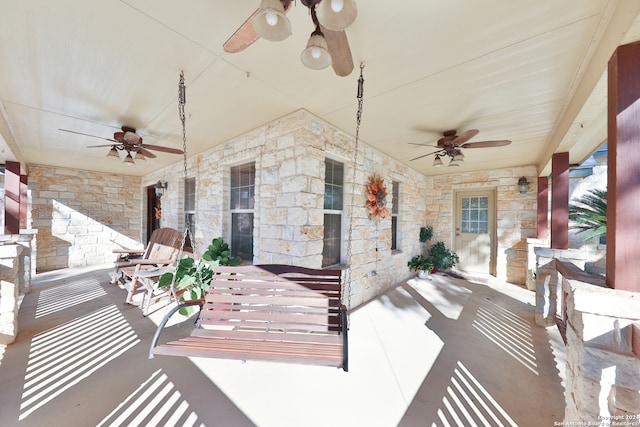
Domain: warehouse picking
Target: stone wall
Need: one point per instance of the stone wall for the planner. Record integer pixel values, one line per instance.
(516, 213)
(603, 367)
(288, 215)
(81, 216)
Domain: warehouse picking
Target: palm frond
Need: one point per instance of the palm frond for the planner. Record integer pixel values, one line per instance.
(589, 214)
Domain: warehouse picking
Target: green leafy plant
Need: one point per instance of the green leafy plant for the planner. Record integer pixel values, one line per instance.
(443, 258)
(420, 262)
(426, 233)
(192, 277)
(589, 214)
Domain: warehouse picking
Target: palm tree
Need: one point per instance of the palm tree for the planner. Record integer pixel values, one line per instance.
(589, 214)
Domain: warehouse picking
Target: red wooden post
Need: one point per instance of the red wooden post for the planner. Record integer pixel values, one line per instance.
(560, 201)
(12, 198)
(623, 198)
(543, 207)
(24, 200)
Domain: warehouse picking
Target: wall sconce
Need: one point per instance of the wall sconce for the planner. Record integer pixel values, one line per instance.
(523, 185)
(160, 187)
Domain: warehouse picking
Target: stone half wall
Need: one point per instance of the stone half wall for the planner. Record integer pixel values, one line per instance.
(603, 354)
(81, 216)
(516, 214)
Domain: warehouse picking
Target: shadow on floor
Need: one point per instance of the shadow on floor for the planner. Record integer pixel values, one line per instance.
(427, 352)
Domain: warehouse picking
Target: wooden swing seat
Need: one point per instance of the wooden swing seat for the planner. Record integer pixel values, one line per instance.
(277, 313)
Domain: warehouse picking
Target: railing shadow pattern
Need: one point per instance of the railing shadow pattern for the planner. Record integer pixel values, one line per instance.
(156, 402)
(467, 403)
(69, 353)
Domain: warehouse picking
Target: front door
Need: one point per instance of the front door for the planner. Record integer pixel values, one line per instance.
(475, 231)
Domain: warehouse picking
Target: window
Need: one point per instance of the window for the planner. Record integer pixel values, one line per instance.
(243, 187)
(333, 196)
(395, 194)
(475, 215)
(190, 208)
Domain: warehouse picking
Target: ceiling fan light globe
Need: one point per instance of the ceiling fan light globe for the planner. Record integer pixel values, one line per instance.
(140, 156)
(337, 5)
(336, 15)
(113, 153)
(129, 160)
(316, 56)
(437, 161)
(271, 22)
(454, 162)
(271, 18)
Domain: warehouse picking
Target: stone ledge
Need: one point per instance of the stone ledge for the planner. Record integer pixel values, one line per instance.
(588, 298)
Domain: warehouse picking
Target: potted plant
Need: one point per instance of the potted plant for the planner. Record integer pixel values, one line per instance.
(192, 277)
(422, 265)
(443, 258)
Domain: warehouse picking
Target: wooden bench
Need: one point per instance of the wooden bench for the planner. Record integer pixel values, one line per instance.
(278, 313)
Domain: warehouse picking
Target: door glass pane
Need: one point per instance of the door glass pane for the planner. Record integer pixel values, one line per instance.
(474, 215)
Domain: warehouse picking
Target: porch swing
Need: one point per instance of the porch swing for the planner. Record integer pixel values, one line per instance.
(269, 312)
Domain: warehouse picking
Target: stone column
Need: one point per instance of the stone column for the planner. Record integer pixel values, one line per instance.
(10, 277)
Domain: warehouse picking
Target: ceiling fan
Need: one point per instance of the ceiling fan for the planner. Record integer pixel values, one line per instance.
(128, 140)
(327, 45)
(451, 145)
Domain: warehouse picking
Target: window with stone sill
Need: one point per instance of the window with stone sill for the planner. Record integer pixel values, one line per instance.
(242, 197)
(333, 206)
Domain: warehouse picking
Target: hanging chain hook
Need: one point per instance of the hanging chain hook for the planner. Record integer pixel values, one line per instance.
(360, 96)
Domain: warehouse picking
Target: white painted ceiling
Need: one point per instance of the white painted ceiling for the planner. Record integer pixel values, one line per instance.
(519, 70)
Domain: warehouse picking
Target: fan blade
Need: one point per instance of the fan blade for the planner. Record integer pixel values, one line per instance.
(246, 35)
(105, 145)
(341, 59)
(147, 153)
(161, 148)
(86, 134)
(483, 144)
(423, 145)
(425, 155)
(119, 136)
(461, 139)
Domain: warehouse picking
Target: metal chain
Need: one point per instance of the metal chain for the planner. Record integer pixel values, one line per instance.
(355, 163)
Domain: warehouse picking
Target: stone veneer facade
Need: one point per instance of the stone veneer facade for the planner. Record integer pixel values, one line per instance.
(81, 216)
(288, 215)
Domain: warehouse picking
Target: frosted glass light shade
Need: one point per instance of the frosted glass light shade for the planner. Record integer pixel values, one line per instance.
(316, 56)
(271, 23)
(336, 14)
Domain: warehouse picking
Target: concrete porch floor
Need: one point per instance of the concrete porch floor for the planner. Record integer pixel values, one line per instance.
(437, 352)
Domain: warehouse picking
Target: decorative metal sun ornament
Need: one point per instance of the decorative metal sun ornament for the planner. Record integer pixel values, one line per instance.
(376, 198)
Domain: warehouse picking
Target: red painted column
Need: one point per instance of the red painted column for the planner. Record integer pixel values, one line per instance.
(12, 198)
(560, 201)
(623, 192)
(543, 207)
(24, 200)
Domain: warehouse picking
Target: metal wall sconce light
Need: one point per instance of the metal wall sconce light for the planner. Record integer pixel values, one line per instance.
(160, 187)
(523, 185)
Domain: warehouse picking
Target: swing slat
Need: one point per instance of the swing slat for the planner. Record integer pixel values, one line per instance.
(273, 313)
